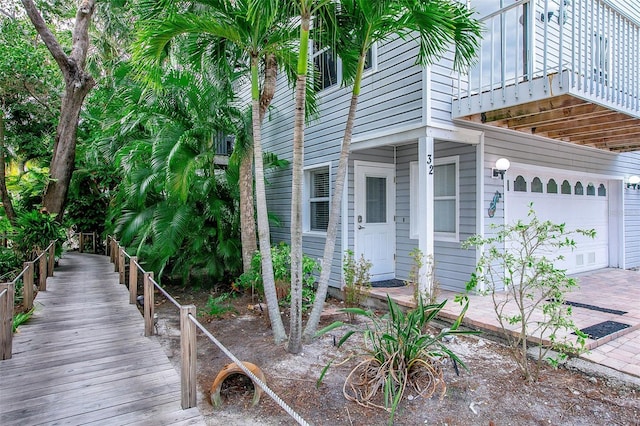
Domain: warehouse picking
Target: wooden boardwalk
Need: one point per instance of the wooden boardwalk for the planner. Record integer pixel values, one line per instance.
(83, 357)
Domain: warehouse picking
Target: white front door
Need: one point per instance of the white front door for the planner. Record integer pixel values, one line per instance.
(375, 228)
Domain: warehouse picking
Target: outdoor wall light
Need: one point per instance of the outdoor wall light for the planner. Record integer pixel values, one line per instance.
(502, 165)
(633, 182)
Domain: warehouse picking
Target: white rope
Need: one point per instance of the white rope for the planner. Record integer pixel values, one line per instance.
(252, 376)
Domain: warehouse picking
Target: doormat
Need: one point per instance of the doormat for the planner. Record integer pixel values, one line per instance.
(594, 308)
(598, 331)
(388, 283)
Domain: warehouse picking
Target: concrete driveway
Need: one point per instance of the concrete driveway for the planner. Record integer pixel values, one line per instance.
(607, 299)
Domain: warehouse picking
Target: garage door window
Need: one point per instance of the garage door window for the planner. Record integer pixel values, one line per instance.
(520, 184)
(536, 185)
(591, 189)
(566, 187)
(552, 187)
(579, 190)
(602, 191)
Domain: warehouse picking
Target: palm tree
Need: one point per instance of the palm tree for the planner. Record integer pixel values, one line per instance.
(358, 25)
(245, 41)
(307, 9)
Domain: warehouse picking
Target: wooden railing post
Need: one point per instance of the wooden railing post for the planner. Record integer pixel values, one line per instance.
(133, 279)
(42, 272)
(52, 258)
(93, 244)
(27, 286)
(81, 248)
(148, 304)
(189, 356)
(116, 257)
(108, 250)
(6, 320)
(121, 264)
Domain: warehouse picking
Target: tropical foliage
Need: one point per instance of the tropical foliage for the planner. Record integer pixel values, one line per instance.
(400, 352)
(166, 82)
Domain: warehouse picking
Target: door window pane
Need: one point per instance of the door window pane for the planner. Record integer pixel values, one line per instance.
(376, 193)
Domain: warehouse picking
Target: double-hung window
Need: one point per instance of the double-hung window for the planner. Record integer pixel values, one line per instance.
(328, 68)
(445, 199)
(317, 193)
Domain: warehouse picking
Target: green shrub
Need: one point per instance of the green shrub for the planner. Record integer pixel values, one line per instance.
(35, 231)
(357, 280)
(399, 352)
(281, 258)
(10, 264)
(21, 318)
(524, 282)
(429, 275)
(219, 305)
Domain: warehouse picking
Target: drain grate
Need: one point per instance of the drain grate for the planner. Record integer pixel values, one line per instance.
(594, 308)
(600, 330)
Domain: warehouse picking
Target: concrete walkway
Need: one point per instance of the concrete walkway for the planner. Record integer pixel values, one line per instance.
(600, 294)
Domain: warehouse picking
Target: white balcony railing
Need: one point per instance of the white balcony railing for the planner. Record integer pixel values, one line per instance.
(588, 48)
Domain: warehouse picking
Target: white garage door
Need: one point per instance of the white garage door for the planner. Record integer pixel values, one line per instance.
(579, 201)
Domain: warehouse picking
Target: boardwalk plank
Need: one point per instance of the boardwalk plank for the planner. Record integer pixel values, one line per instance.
(83, 358)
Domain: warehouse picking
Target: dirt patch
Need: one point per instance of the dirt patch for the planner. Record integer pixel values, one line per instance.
(491, 392)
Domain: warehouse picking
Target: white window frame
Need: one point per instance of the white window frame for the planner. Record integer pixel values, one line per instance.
(414, 197)
(306, 208)
(367, 72)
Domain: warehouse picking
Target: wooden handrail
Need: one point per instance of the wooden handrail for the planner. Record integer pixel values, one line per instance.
(188, 325)
(6, 319)
(7, 294)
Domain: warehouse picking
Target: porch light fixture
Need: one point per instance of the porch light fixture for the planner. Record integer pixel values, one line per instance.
(502, 165)
(633, 182)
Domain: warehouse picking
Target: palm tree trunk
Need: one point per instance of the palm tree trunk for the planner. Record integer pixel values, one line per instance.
(279, 333)
(295, 330)
(334, 213)
(247, 211)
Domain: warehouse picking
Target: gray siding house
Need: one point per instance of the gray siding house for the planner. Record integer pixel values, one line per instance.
(556, 92)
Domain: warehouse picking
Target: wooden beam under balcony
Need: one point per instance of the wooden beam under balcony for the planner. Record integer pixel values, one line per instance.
(568, 118)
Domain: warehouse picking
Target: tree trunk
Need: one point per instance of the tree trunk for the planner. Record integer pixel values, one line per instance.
(247, 211)
(295, 328)
(64, 151)
(78, 83)
(334, 214)
(6, 197)
(264, 237)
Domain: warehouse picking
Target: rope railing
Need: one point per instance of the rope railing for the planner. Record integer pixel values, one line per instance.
(249, 373)
(187, 332)
(46, 262)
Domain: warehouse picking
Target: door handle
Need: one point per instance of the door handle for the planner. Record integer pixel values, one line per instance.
(360, 227)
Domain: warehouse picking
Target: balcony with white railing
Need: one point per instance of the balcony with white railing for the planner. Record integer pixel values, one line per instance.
(563, 69)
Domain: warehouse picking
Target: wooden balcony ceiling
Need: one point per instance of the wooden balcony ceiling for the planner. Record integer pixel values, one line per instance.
(570, 119)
